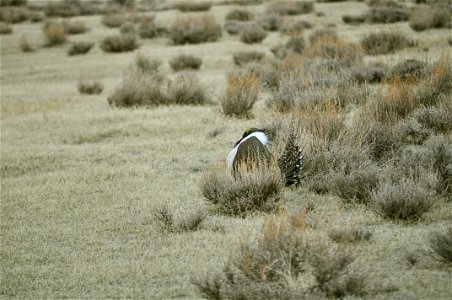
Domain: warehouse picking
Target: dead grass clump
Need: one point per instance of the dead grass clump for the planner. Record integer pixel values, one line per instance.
(5, 28)
(195, 30)
(256, 188)
(79, 48)
(139, 89)
(290, 8)
(252, 33)
(441, 244)
(191, 5)
(239, 15)
(186, 89)
(90, 87)
(54, 32)
(119, 43)
(166, 220)
(384, 42)
(241, 94)
(426, 17)
(76, 27)
(406, 200)
(246, 57)
(184, 61)
(114, 20)
(284, 262)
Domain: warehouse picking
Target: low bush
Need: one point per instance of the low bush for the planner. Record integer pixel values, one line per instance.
(76, 27)
(270, 22)
(72, 8)
(184, 61)
(119, 43)
(186, 89)
(295, 45)
(348, 19)
(426, 17)
(54, 32)
(440, 148)
(241, 93)
(6, 28)
(234, 27)
(384, 42)
(167, 221)
(388, 14)
(331, 48)
(290, 8)
(292, 27)
(252, 33)
(409, 69)
(78, 48)
(146, 65)
(191, 5)
(239, 15)
(128, 28)
(246, 57)
(369, 74)
(323, 34)
(149, 30)
(349, 235)
(441, 244)
(90, 87)
(438, 119)
(140, 89)
(405, 200)
(13, 2)
(114, 20)
(284, 262)
(14, 14)
(194, 30)
(256, 188)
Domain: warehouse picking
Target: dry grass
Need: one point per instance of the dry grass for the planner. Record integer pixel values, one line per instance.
(333, 48)
(246, 57)
(239, 15)
(75, 27)
(242, 91)
(87, 87)
(290, 8)
(166, 220)
(441, 244)
(194, 30)
(193, 5)
(427, 17)
(24, 45)
(6, 28)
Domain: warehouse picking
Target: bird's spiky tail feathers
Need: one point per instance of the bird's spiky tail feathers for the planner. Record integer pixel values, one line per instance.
(290, 162)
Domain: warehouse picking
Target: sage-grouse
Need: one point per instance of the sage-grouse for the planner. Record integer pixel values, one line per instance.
(253, 148)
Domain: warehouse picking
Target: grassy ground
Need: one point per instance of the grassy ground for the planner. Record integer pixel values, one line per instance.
(80, 179)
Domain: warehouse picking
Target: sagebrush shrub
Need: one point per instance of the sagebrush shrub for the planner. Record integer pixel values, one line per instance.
(76, 27)
(233, 27)
(54, 32)
(388, 14)
(192, 5)
(291, 8)
(438, 119)
(384, 42)
(239, 15)
(256, 188)
(120, 43)
(270, 22)
(149, 30)
(292, 27)
(405, 200)
(252, 33)
(195, 29)
(426, 17)
(241, 93)
(128, 28)
(185, 61)
(24, 44)
(146, 65)
(245, 57)
(349, 19)
(93, 87)
(114, 20)
(349, 235)
(186, 89)
(11, 14)
(333, 48)
(139, 89)
(167, 221)
(79, 48)
(276, 264)
(409, 69)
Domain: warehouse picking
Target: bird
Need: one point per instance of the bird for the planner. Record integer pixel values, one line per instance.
(252, 148)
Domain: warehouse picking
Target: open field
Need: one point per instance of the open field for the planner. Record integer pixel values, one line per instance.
(81, 180)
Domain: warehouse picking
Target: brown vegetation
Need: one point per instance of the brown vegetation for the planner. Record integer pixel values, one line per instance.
(241, 93)
(194, 30)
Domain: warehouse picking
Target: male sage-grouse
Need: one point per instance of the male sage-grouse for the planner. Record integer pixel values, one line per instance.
(253, 148)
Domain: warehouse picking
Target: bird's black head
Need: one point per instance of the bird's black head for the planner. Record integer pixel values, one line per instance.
(249, 131)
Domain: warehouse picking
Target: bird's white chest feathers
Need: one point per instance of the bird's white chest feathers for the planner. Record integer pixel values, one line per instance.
(259, 135)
